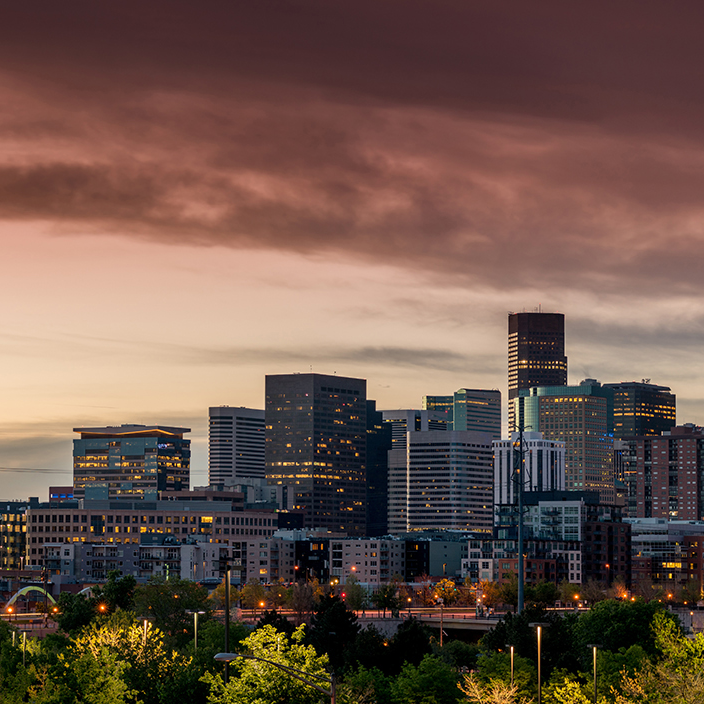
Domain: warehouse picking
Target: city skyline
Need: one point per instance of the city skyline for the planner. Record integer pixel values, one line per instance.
(187, 206)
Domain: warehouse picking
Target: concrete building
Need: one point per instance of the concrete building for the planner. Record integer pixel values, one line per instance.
(469, 409)
(403, 421)
(581, 417)
(443, 481)
(642, 408)
(235, 444)
(544, 466)
(130, 461)
(128, 522)
(664, 474)
(536, 354)
(316, 435)
(372, 561)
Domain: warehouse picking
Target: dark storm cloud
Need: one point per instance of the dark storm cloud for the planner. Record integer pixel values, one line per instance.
(505, 144)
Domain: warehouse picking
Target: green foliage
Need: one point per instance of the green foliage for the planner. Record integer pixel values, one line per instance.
(253, 595)
(457, 653)
(409, 645)
(364, 686)
(117, 592)
(332, 629)
(615, 624)
(75, 612)
(431, 682)
(493, 692)
(277, 620)
(542, 594)
(496, 667)
(256, 682)
(368, 650)
(356, 596)
(385, 597)
(166, 603)
(446, 590)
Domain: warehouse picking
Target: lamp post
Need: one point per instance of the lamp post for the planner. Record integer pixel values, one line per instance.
(144, 632)
(195, 627)
(512, 649)
(539, 626)
(441, 602)
(297, 674)
(594, 647)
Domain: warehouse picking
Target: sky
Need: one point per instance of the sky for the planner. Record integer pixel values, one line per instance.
(195, 195)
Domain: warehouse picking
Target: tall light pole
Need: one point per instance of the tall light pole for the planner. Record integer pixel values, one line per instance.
(441, 602)
(293, 672)
(513, 652)
(195, 627)
(539, 626)
(519, 478)
(594, 647)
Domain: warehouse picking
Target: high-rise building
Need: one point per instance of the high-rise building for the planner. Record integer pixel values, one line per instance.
(642, 408)
(403, 421)
(316, 433)
(445, 482)
(665, 474)
(469, 409)
(130, 461)
(581, 417)
(378, 446)
(235, 444)
(543, 466)
(536, 353)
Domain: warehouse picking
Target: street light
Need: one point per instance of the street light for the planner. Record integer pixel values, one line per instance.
(513, 651)
(539, 625)
(195, 626)
(297, 674)
(594, 646)
(441, 602)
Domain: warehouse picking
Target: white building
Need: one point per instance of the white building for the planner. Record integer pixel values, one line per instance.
(235, 444)
(443, 480)
(372, 561)
(544, 466)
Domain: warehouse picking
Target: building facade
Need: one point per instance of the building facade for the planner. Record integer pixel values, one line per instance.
(444, 480)
(235, 444)
(642, 408)
(536, 354)
(581, 417)
(543, 466)
(316, 433)
(130, 461)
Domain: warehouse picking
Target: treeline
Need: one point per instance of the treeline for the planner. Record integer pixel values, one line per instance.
(130, 643)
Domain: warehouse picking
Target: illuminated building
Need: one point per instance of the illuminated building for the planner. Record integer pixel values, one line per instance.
(235, 444)
(316, 433)
(641, 408)
(445, 482)
(581, 417)
(536, 354)
(469, 409)
(130, 461)
(544, 466)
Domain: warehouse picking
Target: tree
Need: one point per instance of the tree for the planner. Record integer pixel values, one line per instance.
(117, 593)
(366, 686)
(431, 682)
(277, 620)
(385, 598)
(217, 596)
(302, 600)
(253, 595)
(496, 667)
(569, 592)
(167, 602)
(369, 649)
(333, 628)
(355, 594)
(691, 592)
(75, 611)
(491, 593)
(446, 590)
(256, 681)
(543, 594)
(494, 692)
(592, 591)
(279, 595)
(409, 645)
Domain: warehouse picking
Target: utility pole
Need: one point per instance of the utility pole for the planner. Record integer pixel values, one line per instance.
(519, 478)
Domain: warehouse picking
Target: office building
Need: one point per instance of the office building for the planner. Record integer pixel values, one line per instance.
(130, 461)
(13, 533)
(536, 354)
(316, 434)
(378, 446)
(235, 444)
(403, 421)
(469, 409)
(642, 408)
(581, 417)
(665, 474)
(544, 466)
(445, 482)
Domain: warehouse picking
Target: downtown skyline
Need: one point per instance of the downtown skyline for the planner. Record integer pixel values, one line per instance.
(192, 199)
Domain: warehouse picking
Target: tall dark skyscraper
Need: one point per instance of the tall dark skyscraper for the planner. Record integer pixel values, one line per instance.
(536, 354)
(641, 408)
(378, 446)
(316, 436)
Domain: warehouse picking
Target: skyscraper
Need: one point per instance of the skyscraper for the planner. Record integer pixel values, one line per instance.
(536, 354)
(469, 409)
(445, 482)
(130, 461)
(378, 446)
(235, 444)
(642, 408)
(581, 417)
(316, 428)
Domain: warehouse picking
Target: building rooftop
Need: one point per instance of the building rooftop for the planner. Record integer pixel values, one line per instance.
(132, 431)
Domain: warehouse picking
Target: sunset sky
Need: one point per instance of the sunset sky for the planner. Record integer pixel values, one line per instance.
(193, 195)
